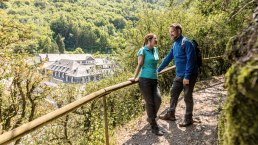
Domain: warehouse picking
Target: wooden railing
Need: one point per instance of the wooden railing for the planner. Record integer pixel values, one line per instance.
(26, 128)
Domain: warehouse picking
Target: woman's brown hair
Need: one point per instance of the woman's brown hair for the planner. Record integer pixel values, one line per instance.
(147, 38)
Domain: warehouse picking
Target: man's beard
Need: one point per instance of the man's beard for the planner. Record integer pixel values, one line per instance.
(175, 37)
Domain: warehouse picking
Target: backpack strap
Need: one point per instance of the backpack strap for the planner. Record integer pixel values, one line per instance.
(183, 42)
(173, 45)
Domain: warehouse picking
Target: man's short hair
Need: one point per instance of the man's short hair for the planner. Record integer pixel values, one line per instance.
(176, 26)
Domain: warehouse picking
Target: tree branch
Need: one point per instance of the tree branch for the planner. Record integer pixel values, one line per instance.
(242, 8)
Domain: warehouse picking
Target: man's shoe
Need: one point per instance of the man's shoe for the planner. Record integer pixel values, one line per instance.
(168, 116)
(157, 131)
(186, 122)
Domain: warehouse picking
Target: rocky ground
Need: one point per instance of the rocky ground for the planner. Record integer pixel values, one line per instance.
(208, 98)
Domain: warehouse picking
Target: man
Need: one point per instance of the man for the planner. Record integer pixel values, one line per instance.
(184, 57)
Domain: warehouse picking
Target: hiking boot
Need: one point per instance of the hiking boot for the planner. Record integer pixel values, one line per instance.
(170, 115)
(157, 131)
(186, 122)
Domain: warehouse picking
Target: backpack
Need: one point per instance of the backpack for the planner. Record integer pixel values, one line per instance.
(197, 51)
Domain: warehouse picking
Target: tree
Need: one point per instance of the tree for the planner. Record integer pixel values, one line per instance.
(119, 22)
(13, 33)
(103, 42)
(78, 51)
(66, 28)
(53, 48)
(60, 43)
(21, 87)
(45, 45)
(87, 39)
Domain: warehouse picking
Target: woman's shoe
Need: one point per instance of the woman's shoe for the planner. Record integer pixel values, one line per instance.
(156, 131)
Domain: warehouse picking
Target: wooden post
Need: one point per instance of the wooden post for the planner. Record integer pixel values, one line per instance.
(106, 120)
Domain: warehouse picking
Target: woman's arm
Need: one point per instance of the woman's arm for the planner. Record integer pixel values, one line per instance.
(138, 68)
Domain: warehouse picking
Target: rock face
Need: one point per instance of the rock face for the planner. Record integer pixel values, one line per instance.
(239, 120)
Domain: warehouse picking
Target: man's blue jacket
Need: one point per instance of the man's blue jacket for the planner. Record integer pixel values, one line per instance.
(184, 58)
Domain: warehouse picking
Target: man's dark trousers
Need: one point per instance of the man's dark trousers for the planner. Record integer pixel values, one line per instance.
(177, 88)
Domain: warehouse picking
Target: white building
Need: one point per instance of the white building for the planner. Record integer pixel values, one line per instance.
(76, 68)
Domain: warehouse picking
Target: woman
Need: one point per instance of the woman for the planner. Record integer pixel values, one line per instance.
(147, 64)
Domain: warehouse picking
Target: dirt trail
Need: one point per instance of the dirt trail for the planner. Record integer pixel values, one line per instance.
(208, 98)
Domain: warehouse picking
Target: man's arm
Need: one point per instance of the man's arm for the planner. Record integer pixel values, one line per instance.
(166, 60)
(190, 56)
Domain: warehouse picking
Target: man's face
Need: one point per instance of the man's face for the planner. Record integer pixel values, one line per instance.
(174, 34)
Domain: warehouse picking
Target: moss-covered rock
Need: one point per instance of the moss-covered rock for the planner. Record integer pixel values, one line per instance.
(238, 123)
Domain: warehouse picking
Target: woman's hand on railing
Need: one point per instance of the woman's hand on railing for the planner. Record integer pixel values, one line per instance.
(132, 79)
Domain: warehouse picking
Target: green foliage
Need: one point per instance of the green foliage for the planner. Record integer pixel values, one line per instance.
(46, 45)
(78, 51)
(15, 34)
(90, 25)
(3, 5)
(119, 23)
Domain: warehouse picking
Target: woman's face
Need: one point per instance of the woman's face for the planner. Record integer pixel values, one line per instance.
(153, 41)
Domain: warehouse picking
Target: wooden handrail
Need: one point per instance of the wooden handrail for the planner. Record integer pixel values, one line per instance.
(26, 128)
